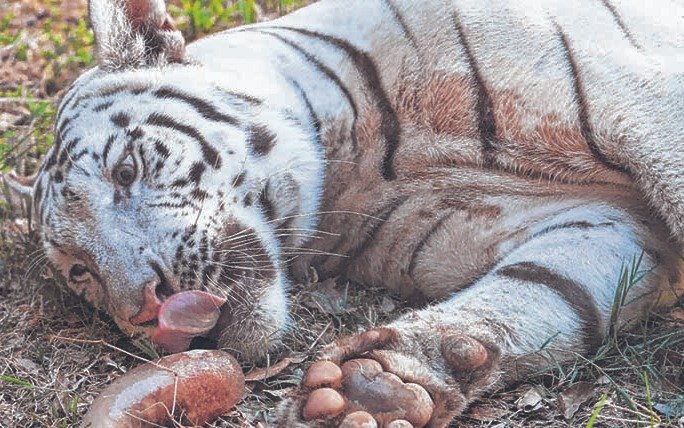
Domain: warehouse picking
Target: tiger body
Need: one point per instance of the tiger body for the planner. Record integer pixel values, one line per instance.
(496, 160)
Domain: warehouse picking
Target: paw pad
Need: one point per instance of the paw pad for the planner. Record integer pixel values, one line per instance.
(323, 373)
(373, 395)
(323, 403)
(359, 419)
(463, 353)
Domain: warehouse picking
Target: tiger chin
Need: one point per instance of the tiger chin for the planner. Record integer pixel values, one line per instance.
(493, 163)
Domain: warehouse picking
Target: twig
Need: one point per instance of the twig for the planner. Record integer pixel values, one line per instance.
(108, 345)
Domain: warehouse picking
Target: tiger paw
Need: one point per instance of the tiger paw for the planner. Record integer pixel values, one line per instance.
(372, 379)
(366, 393)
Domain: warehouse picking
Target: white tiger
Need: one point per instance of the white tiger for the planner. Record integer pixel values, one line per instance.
(499, 162)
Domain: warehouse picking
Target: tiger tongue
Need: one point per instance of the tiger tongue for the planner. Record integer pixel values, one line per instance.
(185, 315)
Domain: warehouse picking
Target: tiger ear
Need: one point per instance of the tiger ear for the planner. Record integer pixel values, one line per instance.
(134, 33)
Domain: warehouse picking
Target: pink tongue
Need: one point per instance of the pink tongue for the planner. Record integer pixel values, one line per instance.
(184, 316)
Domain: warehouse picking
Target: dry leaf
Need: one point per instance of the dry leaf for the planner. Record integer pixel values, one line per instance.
(573, 397)
(678, 314)
(603, 380)
(328, 297)
(485, 413)
(530, 401)
(387, 305)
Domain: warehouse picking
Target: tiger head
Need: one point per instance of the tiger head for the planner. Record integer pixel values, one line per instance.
(170, 199)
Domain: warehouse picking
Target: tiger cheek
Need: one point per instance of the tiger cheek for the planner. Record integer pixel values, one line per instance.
(91, 290)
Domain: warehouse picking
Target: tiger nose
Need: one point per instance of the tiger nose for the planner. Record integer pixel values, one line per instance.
(153, 293)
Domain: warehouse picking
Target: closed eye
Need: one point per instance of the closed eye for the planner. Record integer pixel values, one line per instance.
(79, 273)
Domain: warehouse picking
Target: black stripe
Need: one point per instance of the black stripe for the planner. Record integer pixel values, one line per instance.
(161, 149)
(196, 171)
(66, 151)
(390, 126)
(330, 74)
(211, 156)
(261, 139)
(199, 194)
(50, 161)
(107, 148)
(372, 225)
(65, 101)
(135, 134)
(408, 34)
(424, 240)
(239, 179)
(112, 90)
(173, 205)
(69, 195)
(54, 151)
(586, 128)
(157, 168)
(63, 125)
(582, 225)
(143, 160)
(180, 182)
(203, 107)
(134, 87)
(267, 204)
(573, 293)
(121, 119)
(249, 99)
(103, 106)
(312, 114)
(618, 20)
(486, 123)
(79, 155)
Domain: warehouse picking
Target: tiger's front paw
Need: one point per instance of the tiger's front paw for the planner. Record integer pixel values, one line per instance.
(364, 393)
(377, 378)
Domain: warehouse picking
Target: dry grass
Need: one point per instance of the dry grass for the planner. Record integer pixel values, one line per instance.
(57, 353)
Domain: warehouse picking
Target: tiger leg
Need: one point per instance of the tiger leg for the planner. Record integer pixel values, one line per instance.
(545, 301)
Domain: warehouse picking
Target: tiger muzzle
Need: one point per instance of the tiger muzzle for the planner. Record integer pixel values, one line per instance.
(179, 317)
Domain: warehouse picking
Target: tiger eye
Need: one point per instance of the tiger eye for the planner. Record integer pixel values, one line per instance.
(125, 174)
(78, 273)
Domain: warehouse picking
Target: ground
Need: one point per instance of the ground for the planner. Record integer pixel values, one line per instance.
(57, 353)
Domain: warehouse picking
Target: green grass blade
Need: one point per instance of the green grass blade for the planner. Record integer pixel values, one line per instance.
(16, 381)
(597, 409)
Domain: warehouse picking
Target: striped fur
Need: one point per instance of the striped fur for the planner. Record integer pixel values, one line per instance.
(502, 160)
